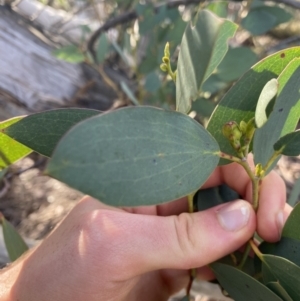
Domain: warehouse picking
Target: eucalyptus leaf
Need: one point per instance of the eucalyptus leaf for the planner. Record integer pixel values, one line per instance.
(203, 107)
(219, 8)
(286, 273)
(14, 243)
(268, 92)
(258, 21)
(294, 194)
(241, 286)
(3, 173)
(42, 131)
(129, 93)
(279, 290)
(289, 144)
(263, 18)
(236, 62)
(203, 46)
(135, 156)
(288, 248)
(10, 150)
(284, 117)
(240, 101)
(102, 48)
(291, 226)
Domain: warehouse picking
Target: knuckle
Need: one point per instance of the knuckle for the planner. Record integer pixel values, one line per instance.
(184, 225)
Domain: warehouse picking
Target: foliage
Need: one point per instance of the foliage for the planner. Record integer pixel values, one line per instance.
(137, 46)
(155, 155)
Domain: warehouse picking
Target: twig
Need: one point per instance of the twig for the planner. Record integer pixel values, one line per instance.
(130, 16)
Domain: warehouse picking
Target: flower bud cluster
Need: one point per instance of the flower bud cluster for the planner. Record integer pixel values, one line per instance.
(239, 136)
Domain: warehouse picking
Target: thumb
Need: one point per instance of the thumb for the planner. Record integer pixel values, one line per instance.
(180, 242)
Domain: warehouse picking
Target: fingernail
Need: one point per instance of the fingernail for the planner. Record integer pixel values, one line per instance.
(280, 223)
(234, 216)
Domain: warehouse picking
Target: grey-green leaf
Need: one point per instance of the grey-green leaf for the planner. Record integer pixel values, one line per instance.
(279, 290)
(102, 48)
(202, 48)
(262, 18)
(291, 227)
(289, 144)
(135, 156)
(287, 247)
(240, 286)
(286, 273)
(267, 94)
(14, 243)
(294, 195)
(42, 131)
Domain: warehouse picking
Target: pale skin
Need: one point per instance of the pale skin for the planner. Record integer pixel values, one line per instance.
(102, 253)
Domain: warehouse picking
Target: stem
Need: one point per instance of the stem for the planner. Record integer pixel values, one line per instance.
(245, 256)
(229, 157)
(190, 198)
(275, 155)
(256, 250)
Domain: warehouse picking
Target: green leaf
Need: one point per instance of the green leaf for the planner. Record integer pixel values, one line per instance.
(153, 82)
(294, 194)
(14, 243)
(120, 52)
(135, 156)
(288, 248)
(291, 227)
(240, 101)
(129, 93)
(235, 63)
(70, 53)
(102, 48)
(289, 144)
(211, 197)
(219, 8)
(268, 92)
(286, 273)
(202, 48)
(213, 85)
(240, 286)
(203, 107)
(279, 290)
(3, 173)
(284, 117)
(263, 18)
(258, 21)
(42, 131)
(10, 150)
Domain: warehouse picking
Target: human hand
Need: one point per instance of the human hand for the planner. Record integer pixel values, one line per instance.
(100, 252)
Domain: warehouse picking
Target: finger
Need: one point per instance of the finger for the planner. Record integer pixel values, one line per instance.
(272, 201)
(234, 175)
(139, 243)
(171, 208)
